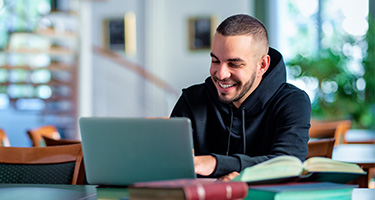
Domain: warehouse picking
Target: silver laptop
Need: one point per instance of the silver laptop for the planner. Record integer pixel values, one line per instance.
(122, 151)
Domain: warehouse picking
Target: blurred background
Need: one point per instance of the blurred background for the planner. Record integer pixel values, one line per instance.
(63, 59)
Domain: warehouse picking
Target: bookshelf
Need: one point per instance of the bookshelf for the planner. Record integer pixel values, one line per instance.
(39, 70)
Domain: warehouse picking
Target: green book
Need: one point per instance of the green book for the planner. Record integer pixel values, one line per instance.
(289, 168)
(112, 193)
(301, 191)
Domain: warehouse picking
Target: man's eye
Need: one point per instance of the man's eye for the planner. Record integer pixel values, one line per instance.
(234, 65)
(215, 61)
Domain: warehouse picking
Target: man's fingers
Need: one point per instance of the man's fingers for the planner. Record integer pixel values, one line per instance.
(229, 176)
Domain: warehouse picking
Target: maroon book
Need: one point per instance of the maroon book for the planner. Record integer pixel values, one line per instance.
(189, 189)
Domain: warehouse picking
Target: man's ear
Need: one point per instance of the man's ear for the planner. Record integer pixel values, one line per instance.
(264, 63)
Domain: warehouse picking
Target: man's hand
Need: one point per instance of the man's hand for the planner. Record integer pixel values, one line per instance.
(229, 176)
(204, 165)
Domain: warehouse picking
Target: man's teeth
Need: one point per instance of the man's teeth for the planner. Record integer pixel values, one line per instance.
(225, 85)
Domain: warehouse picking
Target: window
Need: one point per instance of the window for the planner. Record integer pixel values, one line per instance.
(324, 44)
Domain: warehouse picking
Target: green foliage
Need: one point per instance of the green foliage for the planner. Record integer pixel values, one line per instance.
(368, 62)
(338, 96)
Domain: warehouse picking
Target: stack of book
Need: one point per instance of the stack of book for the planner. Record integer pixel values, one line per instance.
(284, 177)
(189, 189)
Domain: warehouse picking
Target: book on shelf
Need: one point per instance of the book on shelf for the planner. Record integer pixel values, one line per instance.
(301, 191)
(189, 189)
(283, 169)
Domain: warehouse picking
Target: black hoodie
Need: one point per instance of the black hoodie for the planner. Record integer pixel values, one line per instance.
(274, 120)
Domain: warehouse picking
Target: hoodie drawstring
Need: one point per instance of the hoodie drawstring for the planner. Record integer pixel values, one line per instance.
(230, 128)
(243, 130)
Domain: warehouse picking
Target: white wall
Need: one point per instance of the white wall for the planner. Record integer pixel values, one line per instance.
(161, 49)
(117, 91)
(183, 66)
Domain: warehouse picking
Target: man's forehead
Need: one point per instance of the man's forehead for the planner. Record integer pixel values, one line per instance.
(230, 54)
(234, 48)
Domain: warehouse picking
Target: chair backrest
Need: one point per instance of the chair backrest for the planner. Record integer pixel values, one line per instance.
(4, 141)
(36, 135)
(342, 128)
(42, 165)
(321, 148)
(52, 142)
(330, 129)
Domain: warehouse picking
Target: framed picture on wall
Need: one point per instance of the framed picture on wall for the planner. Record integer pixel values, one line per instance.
(120, 34)
(114, 34)
(200, 32)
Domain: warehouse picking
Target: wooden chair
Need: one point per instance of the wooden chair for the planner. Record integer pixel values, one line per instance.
(36, 135)
(42, 165)
(342, 128)
(52, 142)
(321, 148)
(4, 141)
(330, 129)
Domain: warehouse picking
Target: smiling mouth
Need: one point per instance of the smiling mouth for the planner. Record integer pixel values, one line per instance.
(226, 85)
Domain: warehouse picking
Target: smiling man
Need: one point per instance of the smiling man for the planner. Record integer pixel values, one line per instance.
(245, 113)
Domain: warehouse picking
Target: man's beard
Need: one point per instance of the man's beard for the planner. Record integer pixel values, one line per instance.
(241, 94)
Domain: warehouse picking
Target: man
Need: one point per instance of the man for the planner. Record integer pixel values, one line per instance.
(245, 113)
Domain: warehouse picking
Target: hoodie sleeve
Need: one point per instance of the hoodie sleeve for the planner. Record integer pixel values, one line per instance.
(181, 108)
(192, 110)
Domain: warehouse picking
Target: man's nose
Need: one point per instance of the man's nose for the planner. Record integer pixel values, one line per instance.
(223, 72)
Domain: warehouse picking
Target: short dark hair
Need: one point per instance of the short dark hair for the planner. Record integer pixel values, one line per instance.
(242, 24)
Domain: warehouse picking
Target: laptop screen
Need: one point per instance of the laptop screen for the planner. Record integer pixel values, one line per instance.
(122, 151)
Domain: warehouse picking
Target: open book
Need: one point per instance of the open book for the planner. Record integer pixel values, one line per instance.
(290, 168)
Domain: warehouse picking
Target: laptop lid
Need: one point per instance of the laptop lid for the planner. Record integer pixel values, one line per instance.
(122, 151)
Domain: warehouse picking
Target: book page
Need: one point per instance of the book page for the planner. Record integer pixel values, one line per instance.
(320, 164)
(279, 167)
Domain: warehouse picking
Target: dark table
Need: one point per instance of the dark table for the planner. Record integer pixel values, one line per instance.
(47, 191)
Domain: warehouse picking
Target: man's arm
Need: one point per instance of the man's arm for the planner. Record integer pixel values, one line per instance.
(204, 165)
